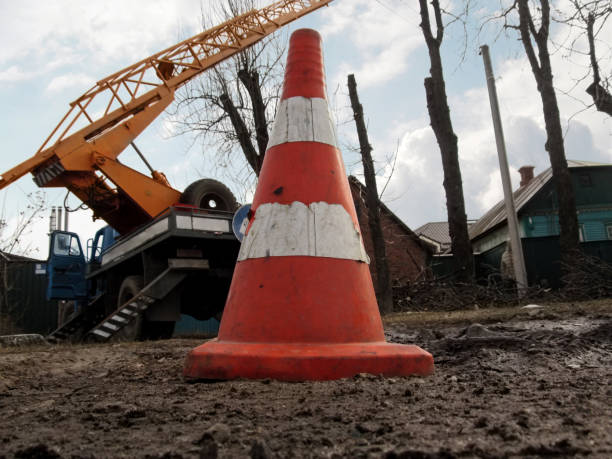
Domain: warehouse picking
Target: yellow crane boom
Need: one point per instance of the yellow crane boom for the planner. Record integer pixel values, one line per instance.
(81, 152)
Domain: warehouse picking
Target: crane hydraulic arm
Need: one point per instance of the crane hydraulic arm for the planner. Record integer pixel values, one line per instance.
(81, 152)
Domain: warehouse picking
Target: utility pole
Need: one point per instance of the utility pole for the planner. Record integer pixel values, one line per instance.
(518, 261)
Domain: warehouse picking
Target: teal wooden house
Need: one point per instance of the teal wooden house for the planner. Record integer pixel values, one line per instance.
(537, 207)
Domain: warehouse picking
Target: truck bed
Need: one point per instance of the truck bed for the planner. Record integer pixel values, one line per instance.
(177, 222)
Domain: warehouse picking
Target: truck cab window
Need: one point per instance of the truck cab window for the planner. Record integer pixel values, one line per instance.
(66, 245)
(62, 244)
(75, 250)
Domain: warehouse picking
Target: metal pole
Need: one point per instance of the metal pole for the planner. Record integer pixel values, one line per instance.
(142, 156)
(52, 220)
(59, 217)
(518, 260)
(66, 219)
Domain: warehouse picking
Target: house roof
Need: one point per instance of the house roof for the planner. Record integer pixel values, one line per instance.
(354, 181)
(435, 231)
(12, 257)
(497, 214)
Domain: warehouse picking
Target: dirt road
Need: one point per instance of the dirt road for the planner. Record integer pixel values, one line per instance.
(536, 384)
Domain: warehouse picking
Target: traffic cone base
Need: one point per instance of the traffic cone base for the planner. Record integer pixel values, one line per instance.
(304, 362)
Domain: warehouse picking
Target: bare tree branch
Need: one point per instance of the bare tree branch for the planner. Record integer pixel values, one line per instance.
(22, 225)
(229, 109)
(589, 17)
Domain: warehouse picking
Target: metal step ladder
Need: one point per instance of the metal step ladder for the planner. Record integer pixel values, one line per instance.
(156, 290)
(78, 321)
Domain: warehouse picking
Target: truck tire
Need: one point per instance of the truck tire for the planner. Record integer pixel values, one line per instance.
(209, 194)
(130, 286)
(140, 328)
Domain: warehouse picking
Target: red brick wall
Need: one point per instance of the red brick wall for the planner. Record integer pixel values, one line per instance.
(407, 258)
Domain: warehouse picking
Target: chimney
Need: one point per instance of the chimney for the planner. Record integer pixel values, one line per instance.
(526, 174)
(52, 220)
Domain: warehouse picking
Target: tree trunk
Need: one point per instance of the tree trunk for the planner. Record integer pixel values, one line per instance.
(439, 114)
(540, 65)
(250, 80)
(569, 239)
(384, 292)
(242, 132)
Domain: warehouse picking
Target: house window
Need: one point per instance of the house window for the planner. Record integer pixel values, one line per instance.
(585, 180)
(609, 230)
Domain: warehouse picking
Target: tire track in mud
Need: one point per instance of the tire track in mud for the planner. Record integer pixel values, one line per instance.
(583, 344)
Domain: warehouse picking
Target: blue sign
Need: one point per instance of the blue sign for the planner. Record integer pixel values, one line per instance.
(241, 221)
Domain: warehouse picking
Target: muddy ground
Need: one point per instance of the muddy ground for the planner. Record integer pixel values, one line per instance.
(521, 383)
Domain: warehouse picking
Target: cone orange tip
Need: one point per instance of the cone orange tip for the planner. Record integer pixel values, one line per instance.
(301, 305)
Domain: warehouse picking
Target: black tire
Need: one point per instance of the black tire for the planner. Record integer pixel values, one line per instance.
(209, 194)
(140, 328)
(130, 286)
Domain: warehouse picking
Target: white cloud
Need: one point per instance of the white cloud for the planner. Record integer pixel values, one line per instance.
(416, 191)
(35, 33)
(492, 191)
(14, 74)
(75, 81)
(383, 41)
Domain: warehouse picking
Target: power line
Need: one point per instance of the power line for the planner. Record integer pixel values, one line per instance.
(387, 7)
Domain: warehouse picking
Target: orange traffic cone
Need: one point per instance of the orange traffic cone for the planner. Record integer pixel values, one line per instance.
(301, 305)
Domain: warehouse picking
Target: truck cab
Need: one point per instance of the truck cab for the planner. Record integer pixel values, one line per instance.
(66, 267)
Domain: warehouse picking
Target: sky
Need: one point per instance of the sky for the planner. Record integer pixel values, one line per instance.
(54, 51)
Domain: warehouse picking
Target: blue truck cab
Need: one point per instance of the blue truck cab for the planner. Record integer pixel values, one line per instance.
(67, 267)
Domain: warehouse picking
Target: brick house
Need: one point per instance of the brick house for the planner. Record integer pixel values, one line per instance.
(408, 255)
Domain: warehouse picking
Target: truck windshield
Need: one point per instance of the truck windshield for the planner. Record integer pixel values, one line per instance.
(65, 244)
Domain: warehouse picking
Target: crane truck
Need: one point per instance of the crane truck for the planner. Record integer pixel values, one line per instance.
(163, 253)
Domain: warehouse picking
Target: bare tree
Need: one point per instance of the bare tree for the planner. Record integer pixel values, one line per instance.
(590, 16)
(384, 292)
(11, 242)
(535, 29)
(11, 237)
(231, 106)
(439, 114)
